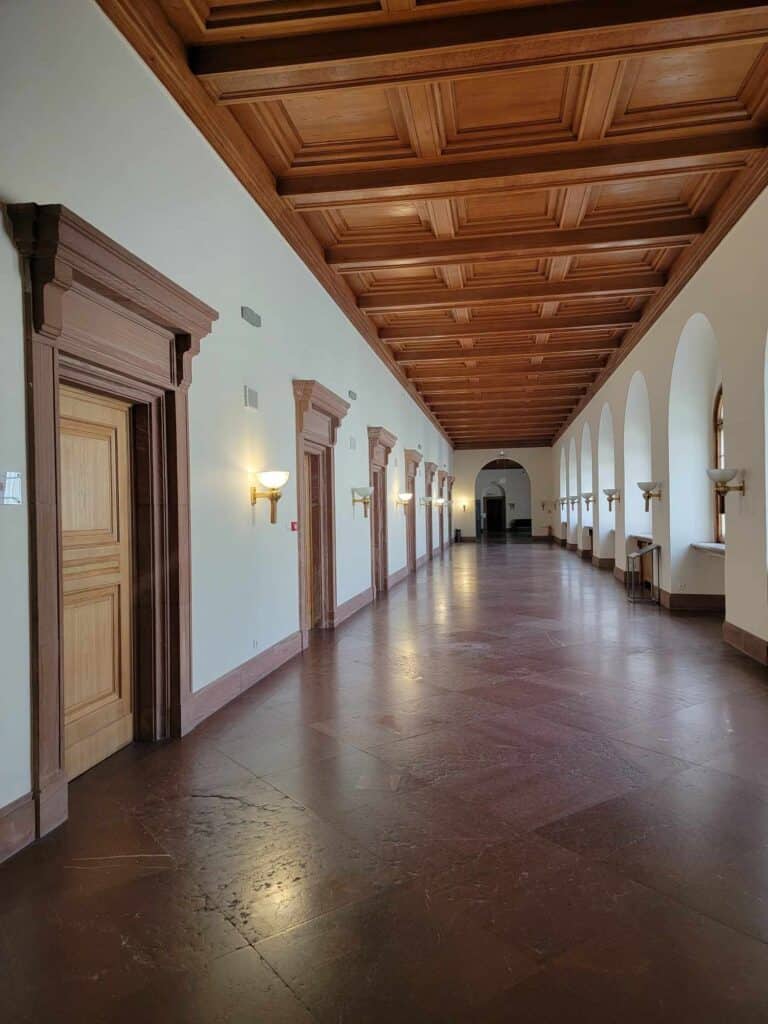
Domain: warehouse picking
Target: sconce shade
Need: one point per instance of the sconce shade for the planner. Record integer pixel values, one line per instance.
(273, 479)
(609, 491)
(587, 494)
(439, 501)
(721, 476)
(404, 497)
(649, 485)
(363, 492)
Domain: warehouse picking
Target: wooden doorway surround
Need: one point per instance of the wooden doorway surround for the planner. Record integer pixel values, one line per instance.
(100, 319)
(449, 499)
(318, 414)
(441, 476)
(430, 468)
(380, 445)
(412, 463)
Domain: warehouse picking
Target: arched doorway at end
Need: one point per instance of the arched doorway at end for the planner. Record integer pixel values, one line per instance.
(503, 500)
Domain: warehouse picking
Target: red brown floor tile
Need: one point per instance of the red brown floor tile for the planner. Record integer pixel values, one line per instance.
(501, 793)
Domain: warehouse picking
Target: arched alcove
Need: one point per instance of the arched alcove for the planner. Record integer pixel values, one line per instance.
(503, 496)
(586, 481)
(696, 379)
(562, 530)
(573, 491)
(606, 478)
(637, 456)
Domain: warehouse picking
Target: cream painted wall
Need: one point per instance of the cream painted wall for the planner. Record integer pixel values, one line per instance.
(730, 291)
(91, 128)
(536, 461)
(517, 491)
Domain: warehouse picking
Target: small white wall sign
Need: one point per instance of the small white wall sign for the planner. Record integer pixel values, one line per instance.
(10, 487)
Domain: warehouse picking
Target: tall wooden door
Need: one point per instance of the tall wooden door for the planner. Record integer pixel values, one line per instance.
(314, 551)
(410, 524)
(97, 569)
(379, 529)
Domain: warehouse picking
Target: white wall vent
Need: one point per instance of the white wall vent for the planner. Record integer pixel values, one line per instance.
(250, 397)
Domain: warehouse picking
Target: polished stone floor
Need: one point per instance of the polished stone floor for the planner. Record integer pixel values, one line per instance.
(500, 795)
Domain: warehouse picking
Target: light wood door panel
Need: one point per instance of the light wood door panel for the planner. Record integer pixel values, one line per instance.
(96, 502)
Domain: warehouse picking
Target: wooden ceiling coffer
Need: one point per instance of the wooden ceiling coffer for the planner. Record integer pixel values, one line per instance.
(503, 197)
(99, 318)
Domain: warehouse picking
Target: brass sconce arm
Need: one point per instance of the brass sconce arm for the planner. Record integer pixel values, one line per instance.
(272, 483)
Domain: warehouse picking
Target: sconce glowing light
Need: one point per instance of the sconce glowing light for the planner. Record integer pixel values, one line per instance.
(404, 498)
(650, 489)
(721, 478)
(273, 481)
(362, 496)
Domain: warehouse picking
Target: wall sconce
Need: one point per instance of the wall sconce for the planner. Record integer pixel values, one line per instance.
(362, 496)
(439, 502)
(563, 502)
(425, 502)
(588, 497)
(721, 478)
(573, 501)
(273, 481)
(650, 489)
(511, 506)
(404, 499)
(612, 494)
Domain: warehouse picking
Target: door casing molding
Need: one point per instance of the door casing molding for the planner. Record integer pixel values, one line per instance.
(380, 444)
(319, 412)
(99, 318)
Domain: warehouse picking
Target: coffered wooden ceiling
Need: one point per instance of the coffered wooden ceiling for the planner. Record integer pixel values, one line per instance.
(501, 196)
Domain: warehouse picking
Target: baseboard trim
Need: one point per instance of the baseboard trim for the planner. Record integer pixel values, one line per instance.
(468, 540)
(216, 695)
(602, 563)
(586, 554)
(620, 574)
(348, 608)
(422, 560)
(753, 646)
(571, 547)
(539, 538)
(17, 826)
(397, 577)
(436, 551)
(561, 541)
(693, 602)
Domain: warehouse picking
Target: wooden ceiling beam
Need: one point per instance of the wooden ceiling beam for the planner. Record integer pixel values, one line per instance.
(421, 374)
(676, 232)
(572, 164)
(439, 409)
(527, 442)
(495, 352)
(423, 50)
(619, 285)
(492, 386)
(609, 321)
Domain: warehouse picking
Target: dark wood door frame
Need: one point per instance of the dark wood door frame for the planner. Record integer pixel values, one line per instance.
(380, 445)
(412, 463)
(450, 480)
(441, 478)
(99, 318)
(318, 414)
(430, 468)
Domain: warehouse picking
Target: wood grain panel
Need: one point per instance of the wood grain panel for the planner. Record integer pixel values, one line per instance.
(97, 568)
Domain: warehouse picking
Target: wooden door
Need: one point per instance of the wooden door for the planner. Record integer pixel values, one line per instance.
(379, 529)
(314, 554)
(97, 569)
(410, 524)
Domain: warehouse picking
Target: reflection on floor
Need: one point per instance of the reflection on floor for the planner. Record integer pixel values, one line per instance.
(501, 794)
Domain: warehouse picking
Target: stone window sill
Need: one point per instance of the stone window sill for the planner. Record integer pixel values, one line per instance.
(718, 550)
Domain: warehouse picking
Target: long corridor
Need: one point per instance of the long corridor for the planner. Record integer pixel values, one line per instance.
(502, 793)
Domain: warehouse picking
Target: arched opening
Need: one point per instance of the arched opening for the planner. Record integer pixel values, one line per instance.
(586, 485)
(696, 441)
(637, 458)
(573, 493)
(605, 542)
(562, 505)
(503, 500)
